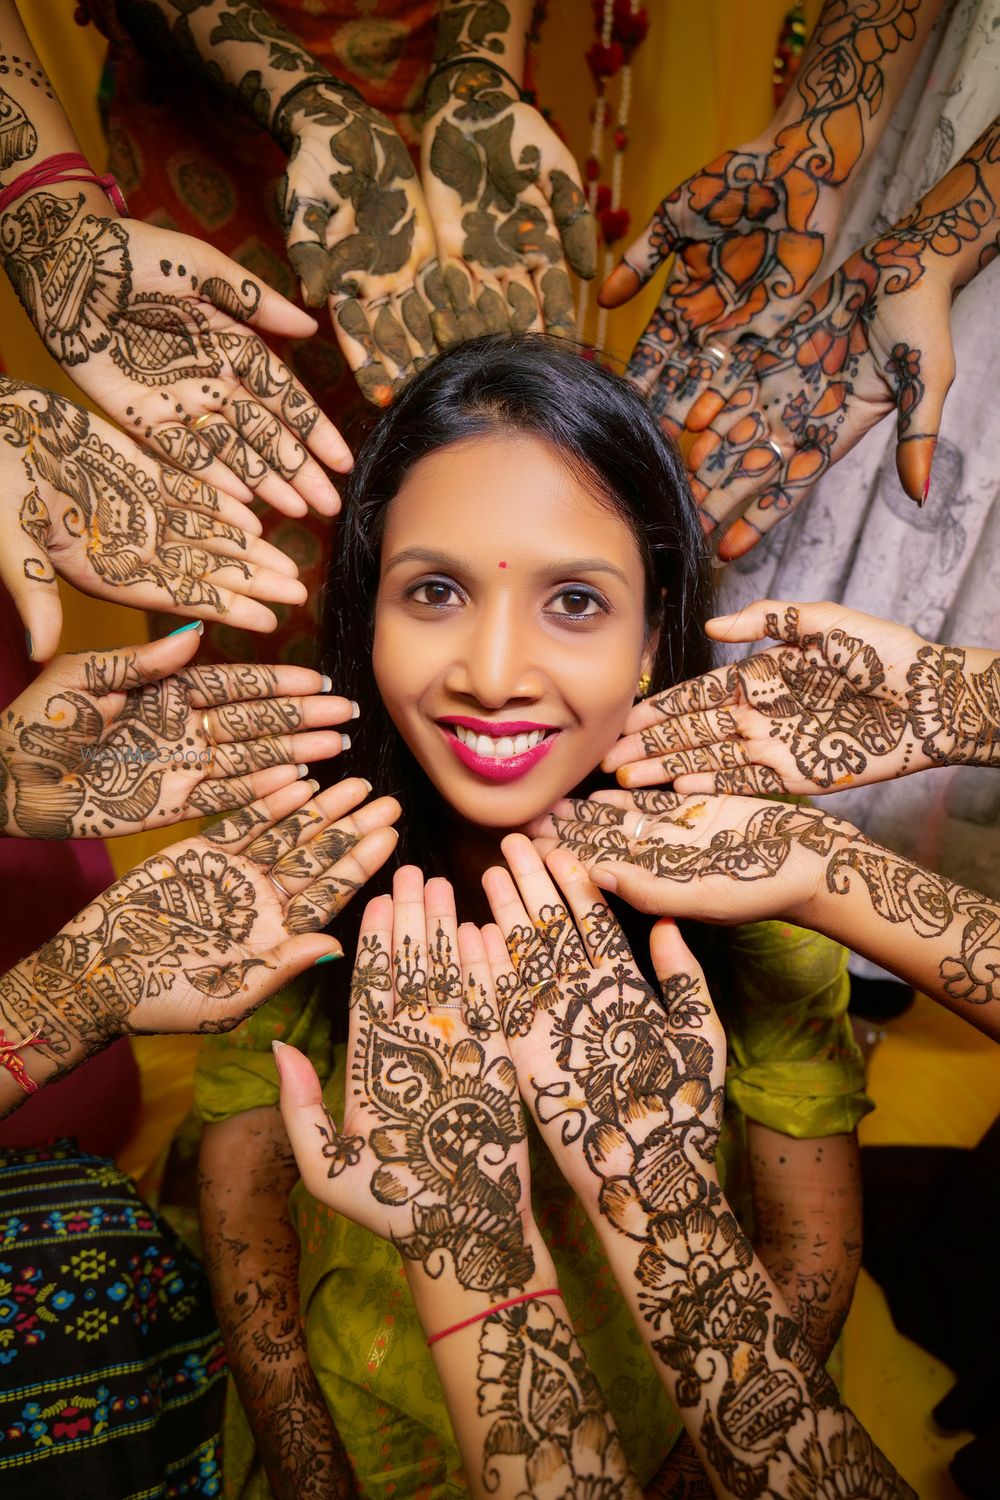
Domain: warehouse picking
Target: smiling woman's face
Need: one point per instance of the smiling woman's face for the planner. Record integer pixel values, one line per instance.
(509, 625)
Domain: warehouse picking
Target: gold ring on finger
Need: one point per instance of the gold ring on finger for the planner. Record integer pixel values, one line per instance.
(643, 820)
(278, 885)
(202, 421)
(206, 728)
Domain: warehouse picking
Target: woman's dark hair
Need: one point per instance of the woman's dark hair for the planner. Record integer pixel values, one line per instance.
(606, 435)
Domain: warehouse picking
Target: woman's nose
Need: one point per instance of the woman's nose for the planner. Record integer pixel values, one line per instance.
(496, 664)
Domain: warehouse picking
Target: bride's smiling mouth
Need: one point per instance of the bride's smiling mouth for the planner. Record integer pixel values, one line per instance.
(498, 750)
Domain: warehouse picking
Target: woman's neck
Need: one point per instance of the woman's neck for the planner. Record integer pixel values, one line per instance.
(472, 851)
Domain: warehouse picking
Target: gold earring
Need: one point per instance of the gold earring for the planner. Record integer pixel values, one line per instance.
(643, 685)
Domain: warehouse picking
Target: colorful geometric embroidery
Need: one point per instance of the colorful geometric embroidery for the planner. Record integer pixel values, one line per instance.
(112, 1368)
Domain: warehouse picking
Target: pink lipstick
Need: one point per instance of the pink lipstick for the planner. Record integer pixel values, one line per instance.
(498, 751)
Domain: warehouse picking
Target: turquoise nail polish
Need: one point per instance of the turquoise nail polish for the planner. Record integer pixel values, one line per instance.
(183, 629)
(327, 958)
(28, 645)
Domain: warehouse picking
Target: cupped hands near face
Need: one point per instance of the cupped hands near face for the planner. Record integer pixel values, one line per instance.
(109, 743)
(625, 1085)
(510, 626)
(359, 234)
(432, 1152)
(80, 500)
(509, 211)
(197, 937)
(162, 333)
(844, 700)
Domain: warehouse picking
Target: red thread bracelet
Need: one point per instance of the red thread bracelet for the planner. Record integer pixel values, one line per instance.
(551, 1291)
(66, 166)
(14, 1065)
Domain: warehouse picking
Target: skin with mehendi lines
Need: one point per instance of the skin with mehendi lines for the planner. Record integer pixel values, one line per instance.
(832, 705)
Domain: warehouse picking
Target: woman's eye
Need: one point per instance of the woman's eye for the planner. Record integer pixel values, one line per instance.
(579, 604)
(434, 592)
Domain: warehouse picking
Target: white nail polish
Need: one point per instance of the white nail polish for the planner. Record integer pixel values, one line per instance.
(345, 742)
(327, 684)
(355, 710)
(303, 771)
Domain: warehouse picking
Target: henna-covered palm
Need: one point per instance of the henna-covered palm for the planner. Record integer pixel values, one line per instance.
(750, 229)
(628, 1093)
(626, 1086)
(197, 937)
(716, 859)
(846, 699)
(358, 231)
(80, 500)
(156, 332)
(872, 339)
(432, 1154)
(509, 212)
(110, 743)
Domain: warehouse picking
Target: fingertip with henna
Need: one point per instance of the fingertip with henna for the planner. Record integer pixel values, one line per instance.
(704, 411)
(621, 285)
(914, 458)
(738, 540)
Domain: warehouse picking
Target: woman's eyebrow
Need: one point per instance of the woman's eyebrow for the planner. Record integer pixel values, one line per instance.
(557, 568)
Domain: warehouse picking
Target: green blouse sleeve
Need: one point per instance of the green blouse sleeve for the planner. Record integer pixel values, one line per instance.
(793, 1062)
(236, 1072)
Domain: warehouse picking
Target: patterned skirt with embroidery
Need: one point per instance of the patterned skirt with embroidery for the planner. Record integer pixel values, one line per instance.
(112, 1368)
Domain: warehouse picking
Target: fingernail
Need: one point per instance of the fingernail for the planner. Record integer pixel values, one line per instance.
(303, 771)
(28, 645)
(604, 880)
(327, 684)
(276, 1047)
(324, 958)
(183, 629)
(927, 490)
(355, 710)
(366, 782)
(313, 784)
(345, 742)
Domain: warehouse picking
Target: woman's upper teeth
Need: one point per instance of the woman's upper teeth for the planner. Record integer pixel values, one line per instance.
(501, 749)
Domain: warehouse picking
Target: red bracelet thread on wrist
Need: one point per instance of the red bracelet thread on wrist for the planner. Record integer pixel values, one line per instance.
(66, 166)
(551, 1291)
(15, 1065)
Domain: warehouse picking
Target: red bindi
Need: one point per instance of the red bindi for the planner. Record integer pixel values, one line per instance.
(501, 564)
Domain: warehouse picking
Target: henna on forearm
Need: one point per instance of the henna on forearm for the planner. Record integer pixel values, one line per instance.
(627, 1091)
(836, 881)
(251, 1256)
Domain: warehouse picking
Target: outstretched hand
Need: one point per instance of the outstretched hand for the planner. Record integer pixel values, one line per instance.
(626, 1086)
(716, 859)
(432, 1153)
(846, 699)
(79, 499)
(162, 333)
(109, 743)
(197, 937)
(747, 245)
(509, 211)
(873, 338)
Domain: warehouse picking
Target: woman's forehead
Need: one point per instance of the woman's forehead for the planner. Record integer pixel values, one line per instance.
(507, 499)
